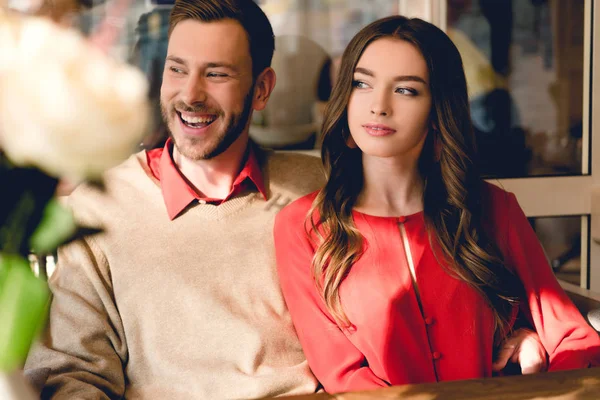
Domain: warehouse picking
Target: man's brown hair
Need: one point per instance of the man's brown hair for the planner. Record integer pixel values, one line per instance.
(246, 12)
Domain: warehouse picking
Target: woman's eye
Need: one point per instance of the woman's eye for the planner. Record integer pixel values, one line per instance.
(359, 84)
(406, 91)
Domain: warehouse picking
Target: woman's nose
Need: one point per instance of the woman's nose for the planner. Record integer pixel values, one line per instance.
(380, 105)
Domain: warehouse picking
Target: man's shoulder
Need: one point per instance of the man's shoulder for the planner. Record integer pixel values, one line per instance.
(308, 161)
(117, 185)
(300, 173)
(130, 168)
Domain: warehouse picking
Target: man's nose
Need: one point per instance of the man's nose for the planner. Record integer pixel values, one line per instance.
(194, 90)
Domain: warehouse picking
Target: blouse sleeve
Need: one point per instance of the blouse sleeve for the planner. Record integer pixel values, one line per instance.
(335, 361)
(570, 342)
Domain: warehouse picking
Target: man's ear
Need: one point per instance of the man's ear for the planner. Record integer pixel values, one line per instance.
(265, 82)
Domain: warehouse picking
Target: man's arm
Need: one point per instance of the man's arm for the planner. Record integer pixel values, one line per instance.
(83, 343)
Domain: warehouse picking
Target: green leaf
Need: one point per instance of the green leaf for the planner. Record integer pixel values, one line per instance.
(56, 227)
(23, 310)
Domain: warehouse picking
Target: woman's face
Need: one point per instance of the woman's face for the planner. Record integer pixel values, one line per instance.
(390, 104)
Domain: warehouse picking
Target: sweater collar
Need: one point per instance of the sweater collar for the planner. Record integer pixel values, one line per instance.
(178, 194)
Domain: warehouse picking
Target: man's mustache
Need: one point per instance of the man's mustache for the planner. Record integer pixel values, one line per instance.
(196, 108)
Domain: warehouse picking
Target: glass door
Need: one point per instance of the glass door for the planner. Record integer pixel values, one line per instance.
(529, 65)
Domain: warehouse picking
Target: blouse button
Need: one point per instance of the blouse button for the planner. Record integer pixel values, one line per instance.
(436, 355)
(429, 321)
(401, 220)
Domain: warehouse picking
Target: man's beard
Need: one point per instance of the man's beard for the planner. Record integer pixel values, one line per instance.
(233, 129)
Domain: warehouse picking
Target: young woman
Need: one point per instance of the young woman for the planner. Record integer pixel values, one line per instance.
(407, 267)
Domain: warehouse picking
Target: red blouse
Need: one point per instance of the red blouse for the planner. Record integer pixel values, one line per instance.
(393, 342)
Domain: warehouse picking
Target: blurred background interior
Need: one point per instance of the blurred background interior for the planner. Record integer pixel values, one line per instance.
(525, 68)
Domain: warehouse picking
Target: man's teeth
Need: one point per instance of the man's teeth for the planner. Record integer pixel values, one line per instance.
(197, 120)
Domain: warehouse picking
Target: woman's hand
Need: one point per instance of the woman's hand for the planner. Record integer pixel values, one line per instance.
(524, 348)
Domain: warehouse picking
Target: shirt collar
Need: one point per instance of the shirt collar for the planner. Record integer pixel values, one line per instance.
(179, 194)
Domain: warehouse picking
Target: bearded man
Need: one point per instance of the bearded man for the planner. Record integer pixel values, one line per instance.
(179, 297)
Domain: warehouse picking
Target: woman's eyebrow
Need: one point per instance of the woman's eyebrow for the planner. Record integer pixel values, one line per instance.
(400, 78)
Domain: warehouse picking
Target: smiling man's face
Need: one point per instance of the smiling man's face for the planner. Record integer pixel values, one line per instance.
(207, 89)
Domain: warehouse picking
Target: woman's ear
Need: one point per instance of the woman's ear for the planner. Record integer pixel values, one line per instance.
(350, 142)
(263, 87)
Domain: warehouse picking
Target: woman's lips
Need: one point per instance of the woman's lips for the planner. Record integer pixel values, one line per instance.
(378, 129)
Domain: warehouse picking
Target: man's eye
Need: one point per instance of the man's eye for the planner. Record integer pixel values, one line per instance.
(176, 70)
(216, 75)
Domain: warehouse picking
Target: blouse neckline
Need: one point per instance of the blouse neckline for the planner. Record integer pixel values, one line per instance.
(399, 218)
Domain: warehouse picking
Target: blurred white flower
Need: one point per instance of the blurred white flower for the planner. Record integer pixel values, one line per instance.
(65, 106)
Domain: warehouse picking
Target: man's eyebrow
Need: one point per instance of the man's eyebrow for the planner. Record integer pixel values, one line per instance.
(179, 60)
(176, 59)
(221, 65)
(400, 78)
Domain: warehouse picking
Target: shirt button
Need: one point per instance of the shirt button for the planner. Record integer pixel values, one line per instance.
(436, 355)
(401, 220)
(429, 321)
(200, 201)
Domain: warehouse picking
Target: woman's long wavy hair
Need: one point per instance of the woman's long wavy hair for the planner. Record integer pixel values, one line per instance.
(453, 187)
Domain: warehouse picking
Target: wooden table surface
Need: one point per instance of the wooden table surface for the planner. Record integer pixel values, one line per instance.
(583, 384)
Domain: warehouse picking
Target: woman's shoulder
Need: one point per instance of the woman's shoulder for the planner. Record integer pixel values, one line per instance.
(501, 213)
(496, 199)
(297, 209)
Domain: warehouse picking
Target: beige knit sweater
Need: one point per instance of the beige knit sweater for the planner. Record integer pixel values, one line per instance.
(182, 309)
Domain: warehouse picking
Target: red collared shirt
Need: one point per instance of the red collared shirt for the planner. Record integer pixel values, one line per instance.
(178, 193)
